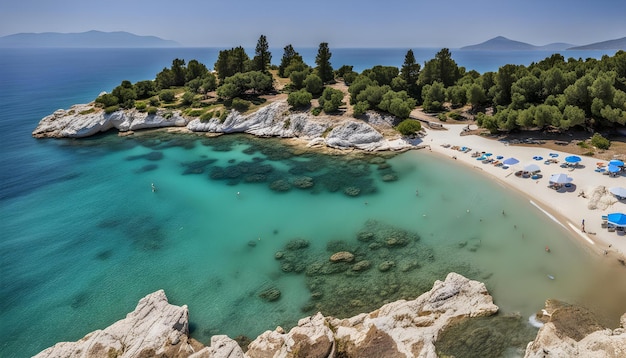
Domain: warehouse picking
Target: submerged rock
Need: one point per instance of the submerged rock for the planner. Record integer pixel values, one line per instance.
(342, 256)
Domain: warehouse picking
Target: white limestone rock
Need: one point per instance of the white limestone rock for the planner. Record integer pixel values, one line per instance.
(221, 347)
(574, 332)
(84, 120)
(154, 328)
(398, 329)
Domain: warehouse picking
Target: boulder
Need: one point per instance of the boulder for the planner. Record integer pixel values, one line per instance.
(154, 328)
(342, 256)
(571, 331)
(221, 347)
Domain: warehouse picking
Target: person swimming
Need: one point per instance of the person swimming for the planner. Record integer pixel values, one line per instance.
(154, 189)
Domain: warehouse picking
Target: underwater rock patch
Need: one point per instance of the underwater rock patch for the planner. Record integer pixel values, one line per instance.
(280, 185)
(270, 294)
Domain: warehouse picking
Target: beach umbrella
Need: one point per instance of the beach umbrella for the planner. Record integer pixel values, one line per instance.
(532, 168)
(573, 159)
(614, 169)
(510, 161)
(616, 162)
(560, 178)
(618, 191)
(617, 219)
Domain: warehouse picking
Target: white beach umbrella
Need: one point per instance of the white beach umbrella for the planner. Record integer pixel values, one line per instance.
(532, 168)
(618, 191)
(560, 178)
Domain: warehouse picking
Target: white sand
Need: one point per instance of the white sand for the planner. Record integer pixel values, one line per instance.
(565, 207)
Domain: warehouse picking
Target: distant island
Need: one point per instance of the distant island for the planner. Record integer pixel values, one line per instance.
(617, 44)
(501, 43)
(89, 39)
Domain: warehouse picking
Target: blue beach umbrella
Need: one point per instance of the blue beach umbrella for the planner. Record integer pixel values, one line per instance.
(617, 219)
(614, 169)
(573, 159)
(510, 161)
(616, 162)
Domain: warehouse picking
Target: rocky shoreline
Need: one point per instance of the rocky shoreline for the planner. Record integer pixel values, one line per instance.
(398, 329)
(273, 120)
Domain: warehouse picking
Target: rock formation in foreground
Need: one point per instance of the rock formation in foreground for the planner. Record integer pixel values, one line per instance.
(154, 328)
(273, 120)
(398, 329)
(571, 331)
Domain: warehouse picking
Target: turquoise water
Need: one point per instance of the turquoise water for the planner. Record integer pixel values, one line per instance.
(80, 252)
(84, 237)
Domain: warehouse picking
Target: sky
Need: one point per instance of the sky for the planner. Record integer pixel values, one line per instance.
(341, 23)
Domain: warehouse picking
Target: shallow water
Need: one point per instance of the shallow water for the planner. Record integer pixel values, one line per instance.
(82, 250)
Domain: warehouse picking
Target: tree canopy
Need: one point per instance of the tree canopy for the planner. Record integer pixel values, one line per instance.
(324, 69)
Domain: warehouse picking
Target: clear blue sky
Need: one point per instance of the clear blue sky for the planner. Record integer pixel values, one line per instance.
(341, 23)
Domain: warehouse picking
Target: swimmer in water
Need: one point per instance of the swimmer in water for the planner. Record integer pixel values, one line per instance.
(547, 249)
(153, 187)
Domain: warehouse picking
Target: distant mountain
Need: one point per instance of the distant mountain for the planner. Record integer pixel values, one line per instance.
(557, 46)
(501, 43)
(90, 39)
(618, 44)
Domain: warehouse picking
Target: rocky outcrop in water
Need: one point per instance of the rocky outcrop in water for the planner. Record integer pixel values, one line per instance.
(273, 120)
(571, 331)
(154, 328)
(84, 120)
(398, 329)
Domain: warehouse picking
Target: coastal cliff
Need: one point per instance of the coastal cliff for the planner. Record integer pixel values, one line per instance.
(273, 120)
(398, 329)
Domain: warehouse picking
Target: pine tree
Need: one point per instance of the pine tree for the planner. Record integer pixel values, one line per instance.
(322, 60)
(262, 55)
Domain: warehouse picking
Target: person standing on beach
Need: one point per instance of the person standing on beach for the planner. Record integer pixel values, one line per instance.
(583, 226)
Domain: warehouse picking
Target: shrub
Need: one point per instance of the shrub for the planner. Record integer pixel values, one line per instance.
(223, 116)
(154, 101)
(299, 99)
(141, 106)
(107, 100)
(331, 99)
(409, 126)
(207, 116)
(167, 95)
(582, 144)
(90, 110)
(195, 112)
(442, 117)
(187, 98)
(313, 83)
(316, 111)
(600, 142)
(360, 108)
(111, 109)
(152, 110)
(240, 104)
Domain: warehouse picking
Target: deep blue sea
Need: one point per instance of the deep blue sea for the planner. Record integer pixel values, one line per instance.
(83, 237)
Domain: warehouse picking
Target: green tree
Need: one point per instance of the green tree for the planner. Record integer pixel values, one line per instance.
(572, 116)
(299, 99)
(457, 95)
(262, 57)
(410, 72)
(126, 94)
(442, 69)
(165, 79)
(178, 72)
(313, 84)
(195, 70)
(324, 69)
(383, 75)
(231, 61)
(360, 108)
(504, 80)
(167, 95)
(187, 98)
(359, 85)
(289, 56)
(145, 89)
(433, 95)
(475, 95)
(373, 95)
(107, 100)
(297, 79)
(397, 103)
(331, 99)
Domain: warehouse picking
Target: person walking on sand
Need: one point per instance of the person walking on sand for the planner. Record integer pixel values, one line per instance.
(583, 226)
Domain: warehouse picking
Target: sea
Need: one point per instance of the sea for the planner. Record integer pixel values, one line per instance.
(241, 229)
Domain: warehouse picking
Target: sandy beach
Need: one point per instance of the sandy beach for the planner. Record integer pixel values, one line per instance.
(568, 208)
